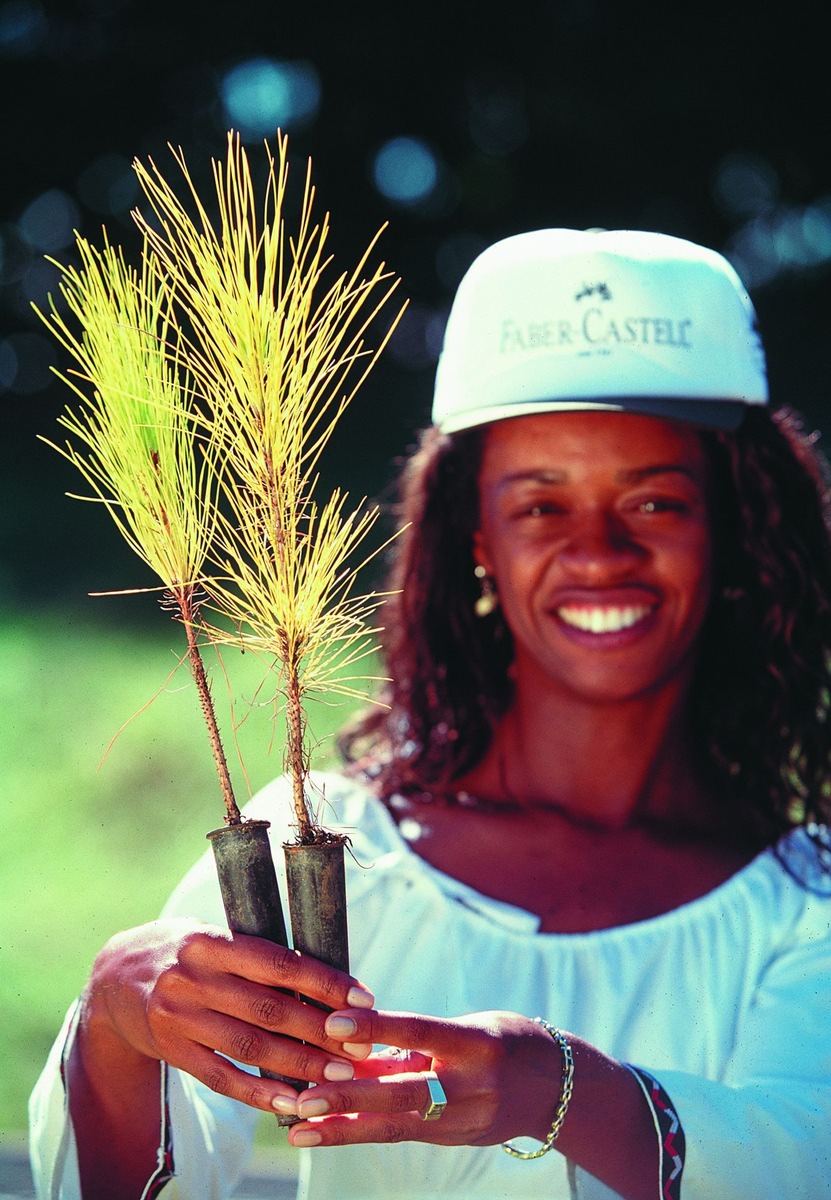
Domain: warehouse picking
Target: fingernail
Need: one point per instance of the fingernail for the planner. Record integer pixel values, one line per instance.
(338, 1027)
(359, 997)
(306, 1137)
(357, 1049)
(285, 1104)
(312, 1108)
(338, 1072)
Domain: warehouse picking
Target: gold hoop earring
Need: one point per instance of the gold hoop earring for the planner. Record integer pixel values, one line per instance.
(488, 601)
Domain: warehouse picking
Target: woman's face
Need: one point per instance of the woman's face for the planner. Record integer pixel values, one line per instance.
(595, 527)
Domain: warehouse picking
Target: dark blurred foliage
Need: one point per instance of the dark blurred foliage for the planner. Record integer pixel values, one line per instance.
(708, 121)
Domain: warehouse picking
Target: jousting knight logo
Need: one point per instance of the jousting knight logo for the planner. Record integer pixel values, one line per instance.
(594, 329)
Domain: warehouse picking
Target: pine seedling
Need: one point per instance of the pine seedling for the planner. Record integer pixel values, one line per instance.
(277, 356)
(134, 433)
(210, 383)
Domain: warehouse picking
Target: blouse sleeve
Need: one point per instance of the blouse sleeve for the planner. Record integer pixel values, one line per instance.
(203, 1143)
(204, 1139)
(763, 1130)
(53, 1152)
(51, 1141)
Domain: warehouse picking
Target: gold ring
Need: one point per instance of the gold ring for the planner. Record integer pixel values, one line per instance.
(438, 1100)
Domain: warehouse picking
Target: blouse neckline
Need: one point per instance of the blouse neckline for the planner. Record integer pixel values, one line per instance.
(503, 912)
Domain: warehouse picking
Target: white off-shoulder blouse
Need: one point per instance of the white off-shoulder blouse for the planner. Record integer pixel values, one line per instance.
(726, 1001)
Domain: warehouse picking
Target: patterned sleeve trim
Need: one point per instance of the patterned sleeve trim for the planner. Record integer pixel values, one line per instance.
(164, 1171)
(671, 1141)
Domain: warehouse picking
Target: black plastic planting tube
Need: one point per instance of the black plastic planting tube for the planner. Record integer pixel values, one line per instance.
(251, 896)
(317, 902)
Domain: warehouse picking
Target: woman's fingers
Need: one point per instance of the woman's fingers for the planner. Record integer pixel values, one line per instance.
(409, 1031)
(220, 994)
(190, 994)
(247, 1043)
(265, 962)
(226, 1079)
(483, 1061)
(392, 1062)
(272, 1010)
(359, 1130)
(389, 1094)
(387, 1109)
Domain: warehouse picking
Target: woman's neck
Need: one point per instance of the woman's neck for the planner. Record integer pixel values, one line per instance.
(611, 766)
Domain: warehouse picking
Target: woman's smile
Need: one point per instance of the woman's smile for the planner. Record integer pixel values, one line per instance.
(599, 619)
(603, 619)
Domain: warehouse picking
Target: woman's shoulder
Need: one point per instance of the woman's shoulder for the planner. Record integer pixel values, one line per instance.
(782, 900)
(804, 855)
(787, 884)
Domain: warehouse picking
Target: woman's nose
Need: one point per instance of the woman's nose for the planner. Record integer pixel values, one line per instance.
(599, 546)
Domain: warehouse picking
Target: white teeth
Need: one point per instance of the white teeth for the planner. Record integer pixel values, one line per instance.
(603, 620)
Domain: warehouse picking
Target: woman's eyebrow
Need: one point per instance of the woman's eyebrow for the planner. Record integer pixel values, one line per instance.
(534, 476)
(638, 474)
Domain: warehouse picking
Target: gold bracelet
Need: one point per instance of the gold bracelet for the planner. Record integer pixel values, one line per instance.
(566, 1089)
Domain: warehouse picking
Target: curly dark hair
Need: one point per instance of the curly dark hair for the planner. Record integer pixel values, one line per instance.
(762, 690)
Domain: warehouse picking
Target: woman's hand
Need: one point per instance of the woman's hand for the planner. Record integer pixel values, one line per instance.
(502, 1075)
(500, 1072)
(190, 994)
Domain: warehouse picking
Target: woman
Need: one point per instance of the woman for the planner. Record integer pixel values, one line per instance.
(596, 798)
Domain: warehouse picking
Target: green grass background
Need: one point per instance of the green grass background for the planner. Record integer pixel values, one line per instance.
(86, 851)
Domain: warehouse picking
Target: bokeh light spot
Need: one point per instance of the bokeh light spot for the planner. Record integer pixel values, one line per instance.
(745, 184)
(454, 256)
(24, 364)
(497, 117)
(416, 343)
(782, 242)
(49, 222)
(264, 94)
(22, 28)
(109, 185)
(405, 171)
(38, 281)
(816, 229)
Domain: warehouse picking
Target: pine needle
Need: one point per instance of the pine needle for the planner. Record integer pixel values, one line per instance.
(135, 428)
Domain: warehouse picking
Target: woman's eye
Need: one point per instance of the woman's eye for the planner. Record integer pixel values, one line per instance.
(536, 511)
(660, 505)
(543, 510)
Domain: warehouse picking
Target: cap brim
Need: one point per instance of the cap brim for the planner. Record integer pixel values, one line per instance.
(706, 414)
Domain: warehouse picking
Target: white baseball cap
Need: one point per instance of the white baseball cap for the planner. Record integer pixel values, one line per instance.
(563, 319)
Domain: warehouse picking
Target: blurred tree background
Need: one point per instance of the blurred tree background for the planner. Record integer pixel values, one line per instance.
(459, 123)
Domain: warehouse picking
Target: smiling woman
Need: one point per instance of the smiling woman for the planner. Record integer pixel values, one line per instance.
(595, 530)
(595, 796)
